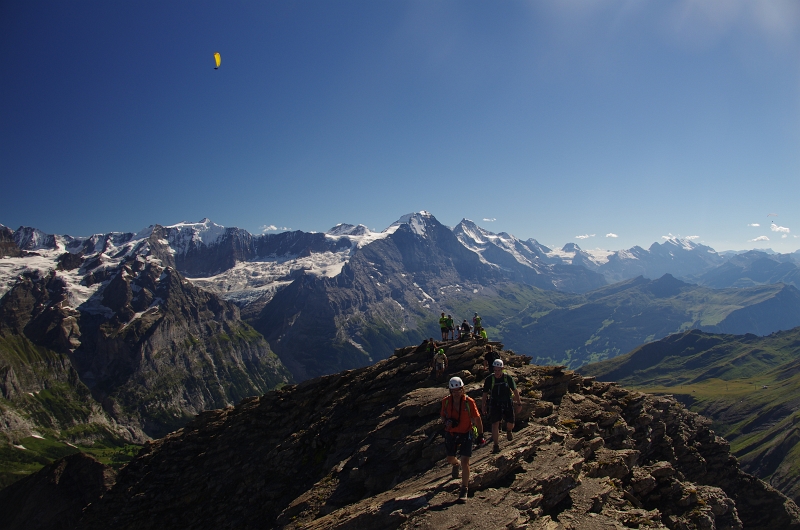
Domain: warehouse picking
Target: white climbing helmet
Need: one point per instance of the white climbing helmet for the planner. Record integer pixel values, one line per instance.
(498, 363)
(456, 382)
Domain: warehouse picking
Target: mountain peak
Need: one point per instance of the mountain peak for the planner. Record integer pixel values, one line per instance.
(680, 243)
(417, 221)
(344, 229)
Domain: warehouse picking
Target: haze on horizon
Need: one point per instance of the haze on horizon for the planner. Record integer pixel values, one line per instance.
(607, 123)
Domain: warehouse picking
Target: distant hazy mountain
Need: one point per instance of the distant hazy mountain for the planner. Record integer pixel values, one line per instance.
(678, 257)
(612, 320)
(746, 384)
(752, 268)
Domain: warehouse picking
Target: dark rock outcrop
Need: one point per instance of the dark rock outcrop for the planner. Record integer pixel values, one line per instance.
(8, 247)
(54, 498)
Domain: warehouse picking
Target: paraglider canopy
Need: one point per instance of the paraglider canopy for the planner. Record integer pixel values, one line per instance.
(217, 60)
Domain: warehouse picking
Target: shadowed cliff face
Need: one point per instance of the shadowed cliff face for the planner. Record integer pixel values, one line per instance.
(149, 348)
(362, 449)
(168, 350)
(55, 497)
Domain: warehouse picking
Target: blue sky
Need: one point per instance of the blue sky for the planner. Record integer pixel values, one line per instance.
(550, 119)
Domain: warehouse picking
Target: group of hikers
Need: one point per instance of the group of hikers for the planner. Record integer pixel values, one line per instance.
(462, 332)
(500, 402)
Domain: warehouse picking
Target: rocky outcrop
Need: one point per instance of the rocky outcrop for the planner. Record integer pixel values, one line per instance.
(8, 247)
(55, 496)
(362, 449)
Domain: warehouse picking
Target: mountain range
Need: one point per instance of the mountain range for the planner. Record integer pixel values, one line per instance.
(343, 298)
(126, 336)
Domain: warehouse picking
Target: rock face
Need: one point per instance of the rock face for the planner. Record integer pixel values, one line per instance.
(40, 386)
(8, 247)
(362, 449)
(168, 350)
(119, 342)
(56, 495)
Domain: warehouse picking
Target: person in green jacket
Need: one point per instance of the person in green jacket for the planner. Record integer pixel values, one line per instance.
(443, 326)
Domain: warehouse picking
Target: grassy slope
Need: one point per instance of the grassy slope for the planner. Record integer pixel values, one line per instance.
(749, 386)
(53, 403)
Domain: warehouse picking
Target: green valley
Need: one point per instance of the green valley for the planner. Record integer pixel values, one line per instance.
(748, 386)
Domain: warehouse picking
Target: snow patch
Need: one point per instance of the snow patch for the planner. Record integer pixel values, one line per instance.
(599, 255)
(415, 221)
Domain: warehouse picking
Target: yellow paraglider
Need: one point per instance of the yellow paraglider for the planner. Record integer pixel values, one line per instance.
(217, 59)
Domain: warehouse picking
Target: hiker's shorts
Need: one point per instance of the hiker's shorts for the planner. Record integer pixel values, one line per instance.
(458, 443)
(440, 366)
(501, 411)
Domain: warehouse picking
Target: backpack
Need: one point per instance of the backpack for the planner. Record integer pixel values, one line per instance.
(506, 378)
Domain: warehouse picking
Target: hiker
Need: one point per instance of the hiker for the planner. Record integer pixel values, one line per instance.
(440, 363)
(476, 325)
(443, 326)
(431, 351)
(459, 413)
(489, 357)
(497, 390)
(465, 329)
(451, 327)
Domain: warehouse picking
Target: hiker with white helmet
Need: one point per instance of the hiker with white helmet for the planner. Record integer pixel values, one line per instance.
(461, 423)
(497, 390)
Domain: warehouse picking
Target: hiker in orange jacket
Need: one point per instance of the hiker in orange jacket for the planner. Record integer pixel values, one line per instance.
(459, 413)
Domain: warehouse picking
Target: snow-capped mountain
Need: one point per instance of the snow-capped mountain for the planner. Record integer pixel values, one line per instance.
(134, 348)
(527, 261)
(317, 295)
(676, 256)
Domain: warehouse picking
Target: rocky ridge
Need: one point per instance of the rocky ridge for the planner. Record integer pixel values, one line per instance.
(362, 449)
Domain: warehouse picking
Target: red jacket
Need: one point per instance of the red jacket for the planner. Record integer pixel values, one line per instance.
(462, 419)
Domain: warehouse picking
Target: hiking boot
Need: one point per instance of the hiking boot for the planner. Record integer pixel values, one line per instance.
(455, 471)
(462, 494)
(496, 449)
(509, 435)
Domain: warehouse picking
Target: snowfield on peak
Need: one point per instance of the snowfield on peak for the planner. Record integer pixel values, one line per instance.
(181, 235)
(360, 235)
(599, 255)
(260, 279)
(415, 221)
